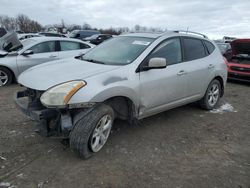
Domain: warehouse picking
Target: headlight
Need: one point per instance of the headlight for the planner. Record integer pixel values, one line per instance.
(61, 94)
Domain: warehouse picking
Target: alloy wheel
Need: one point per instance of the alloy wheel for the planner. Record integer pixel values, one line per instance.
(3, 78)
(101, 133)
(213, 94)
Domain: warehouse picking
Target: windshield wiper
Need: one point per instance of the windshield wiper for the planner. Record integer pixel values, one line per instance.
(93, 61)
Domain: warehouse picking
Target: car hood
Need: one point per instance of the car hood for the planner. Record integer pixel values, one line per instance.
(240, 46)
(9, 42)
(44, 76)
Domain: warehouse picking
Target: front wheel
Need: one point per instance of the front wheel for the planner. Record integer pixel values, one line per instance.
(212, 96)
(5, 76)
(91, 132)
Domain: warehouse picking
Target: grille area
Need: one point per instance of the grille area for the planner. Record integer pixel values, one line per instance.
(241, 69)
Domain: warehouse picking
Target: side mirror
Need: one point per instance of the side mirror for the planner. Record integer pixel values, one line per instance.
(157, 63)
(154, 63)
(27, 52)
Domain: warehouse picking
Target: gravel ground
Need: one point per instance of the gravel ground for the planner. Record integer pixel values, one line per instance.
(183, 147)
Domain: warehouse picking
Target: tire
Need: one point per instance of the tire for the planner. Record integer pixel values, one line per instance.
(212, 95)
(87, 137)
(5, 76)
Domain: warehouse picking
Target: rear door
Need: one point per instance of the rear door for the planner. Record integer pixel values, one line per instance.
(200, 69)
(42, 52)
(161, 89)
(72, 49)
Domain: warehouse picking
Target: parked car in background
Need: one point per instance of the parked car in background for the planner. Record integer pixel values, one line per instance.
(225, 49)
(81, 34)
(130, 77)
(97, 38)
(2, 32)
(239, 64)
(35, 51)
(27, 36)
(48, 34)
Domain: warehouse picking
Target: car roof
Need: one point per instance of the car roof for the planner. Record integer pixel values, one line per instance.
(156, 35)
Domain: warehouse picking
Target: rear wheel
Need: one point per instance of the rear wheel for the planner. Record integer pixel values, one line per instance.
(5, 76)
(212, 96)
(91, 132)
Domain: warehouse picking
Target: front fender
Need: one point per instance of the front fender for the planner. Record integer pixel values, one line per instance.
(87, 95)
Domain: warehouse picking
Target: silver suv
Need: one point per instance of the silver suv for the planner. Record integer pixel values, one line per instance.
(130, 77)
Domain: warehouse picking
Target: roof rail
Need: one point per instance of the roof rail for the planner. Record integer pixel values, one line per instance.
(191, 32)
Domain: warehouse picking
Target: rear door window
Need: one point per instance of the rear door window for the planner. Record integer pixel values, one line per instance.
(68, 45)
(210, 46)
(44, 47)
(193, 49)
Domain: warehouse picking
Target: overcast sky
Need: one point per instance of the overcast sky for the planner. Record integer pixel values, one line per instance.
(215, 18)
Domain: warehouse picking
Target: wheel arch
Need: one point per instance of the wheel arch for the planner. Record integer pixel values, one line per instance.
(220, 79)
(123, 107)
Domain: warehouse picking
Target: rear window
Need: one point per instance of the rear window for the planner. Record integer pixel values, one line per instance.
(210, 46)
(193, 48)
(68, 45)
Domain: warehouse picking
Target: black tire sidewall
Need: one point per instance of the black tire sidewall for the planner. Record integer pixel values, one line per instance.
(80, 136)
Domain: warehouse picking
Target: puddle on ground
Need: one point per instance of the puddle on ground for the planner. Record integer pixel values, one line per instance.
(223, 109)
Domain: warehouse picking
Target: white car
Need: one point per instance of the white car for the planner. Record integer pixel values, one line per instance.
(38, 50)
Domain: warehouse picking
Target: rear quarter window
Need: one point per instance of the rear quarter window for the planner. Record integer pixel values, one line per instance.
(210, 47)
(193, 49)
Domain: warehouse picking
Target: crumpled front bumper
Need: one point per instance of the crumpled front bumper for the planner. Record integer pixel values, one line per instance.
(38, 113)
(35, 113)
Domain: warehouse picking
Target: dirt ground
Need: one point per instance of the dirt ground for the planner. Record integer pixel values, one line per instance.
(183, 147)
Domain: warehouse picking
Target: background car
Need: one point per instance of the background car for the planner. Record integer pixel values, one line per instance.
(239, 64)
(48, 34)
(98, 38)
(27, 36)
(81, 34)
(225, 49)
(36, 51)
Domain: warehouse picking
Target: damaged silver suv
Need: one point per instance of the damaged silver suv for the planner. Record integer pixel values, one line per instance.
(130, 77)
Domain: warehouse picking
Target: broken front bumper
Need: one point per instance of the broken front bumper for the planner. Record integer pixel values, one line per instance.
(34, 112)
(47, 119)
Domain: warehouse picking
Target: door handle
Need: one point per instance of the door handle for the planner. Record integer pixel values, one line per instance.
(211, 66)
(52, 56)
(182, 72)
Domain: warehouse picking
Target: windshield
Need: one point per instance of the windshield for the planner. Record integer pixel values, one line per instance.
(25, 43)
(118, 51)
(73, 34)
(93, 36)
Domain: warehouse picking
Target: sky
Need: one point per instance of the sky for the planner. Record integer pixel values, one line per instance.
(215, 18)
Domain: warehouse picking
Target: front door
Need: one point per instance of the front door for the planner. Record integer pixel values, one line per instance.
(161, 89)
